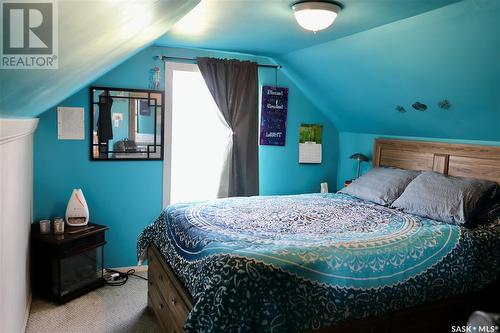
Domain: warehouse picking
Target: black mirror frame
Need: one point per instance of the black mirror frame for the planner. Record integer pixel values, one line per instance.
(162, 117)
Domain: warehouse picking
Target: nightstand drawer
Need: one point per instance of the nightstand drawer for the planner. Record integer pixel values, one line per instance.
(82, 244)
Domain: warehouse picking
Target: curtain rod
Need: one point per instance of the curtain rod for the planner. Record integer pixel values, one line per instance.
(165, 58)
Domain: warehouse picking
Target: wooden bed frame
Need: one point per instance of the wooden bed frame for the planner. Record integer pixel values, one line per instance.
(171, 302)
(460, 160)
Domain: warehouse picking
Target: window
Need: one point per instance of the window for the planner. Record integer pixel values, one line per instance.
(197, 137)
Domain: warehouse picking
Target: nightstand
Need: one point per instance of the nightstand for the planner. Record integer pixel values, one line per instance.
(66, 266)
(347, 182)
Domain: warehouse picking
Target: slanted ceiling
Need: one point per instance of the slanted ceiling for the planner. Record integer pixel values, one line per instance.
(94, 36)
(378, 55)
(269, 27)
(450, 53)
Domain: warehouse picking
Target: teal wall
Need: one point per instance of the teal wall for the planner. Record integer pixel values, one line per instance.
(147, 123)
(121, 131)
(351, 84)
(452, 52)
(350, 143)
(127, 196)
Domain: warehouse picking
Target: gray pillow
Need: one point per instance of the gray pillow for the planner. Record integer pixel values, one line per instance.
(381, 185)
(444, 198)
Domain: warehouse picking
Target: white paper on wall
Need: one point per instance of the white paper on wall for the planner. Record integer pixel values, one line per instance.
(310, 152)
(117, 117)
(70, 123)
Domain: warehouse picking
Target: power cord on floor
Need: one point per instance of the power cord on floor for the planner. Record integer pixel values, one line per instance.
(117, 278)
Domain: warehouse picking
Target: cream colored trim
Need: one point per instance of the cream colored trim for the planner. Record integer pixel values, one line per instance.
(14, 129)
(16, 183)
(27, 312)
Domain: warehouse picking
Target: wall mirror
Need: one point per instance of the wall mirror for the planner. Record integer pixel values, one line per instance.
(126, 124)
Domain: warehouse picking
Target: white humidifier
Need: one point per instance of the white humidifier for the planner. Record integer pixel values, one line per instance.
(77, 212)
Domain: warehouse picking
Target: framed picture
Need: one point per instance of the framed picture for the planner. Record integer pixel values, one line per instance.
(310, 143)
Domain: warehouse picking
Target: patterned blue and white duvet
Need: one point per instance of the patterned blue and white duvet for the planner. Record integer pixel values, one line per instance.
(292, 263)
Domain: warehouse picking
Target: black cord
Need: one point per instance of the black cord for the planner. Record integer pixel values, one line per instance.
(122, 277)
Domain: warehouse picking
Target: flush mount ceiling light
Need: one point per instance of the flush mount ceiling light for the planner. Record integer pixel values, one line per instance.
(316, 15)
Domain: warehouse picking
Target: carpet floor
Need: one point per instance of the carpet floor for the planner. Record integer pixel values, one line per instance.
(107, 309)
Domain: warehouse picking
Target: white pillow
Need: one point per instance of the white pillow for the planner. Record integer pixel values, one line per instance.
(381, 185)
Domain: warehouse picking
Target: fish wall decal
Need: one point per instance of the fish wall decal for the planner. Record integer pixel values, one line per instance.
(400, 109)
(419, 106)
(444, 104)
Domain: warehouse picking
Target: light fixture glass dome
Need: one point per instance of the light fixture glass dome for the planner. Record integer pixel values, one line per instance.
(315, 15)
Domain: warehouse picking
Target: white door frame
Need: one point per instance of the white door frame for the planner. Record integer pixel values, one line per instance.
(170, 67)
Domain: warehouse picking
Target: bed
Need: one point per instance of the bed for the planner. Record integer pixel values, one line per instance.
(323, 261)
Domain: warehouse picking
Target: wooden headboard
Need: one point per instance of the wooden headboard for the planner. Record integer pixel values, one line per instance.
(472, 161)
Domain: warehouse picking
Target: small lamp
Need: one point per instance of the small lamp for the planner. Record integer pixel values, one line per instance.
(360, 158)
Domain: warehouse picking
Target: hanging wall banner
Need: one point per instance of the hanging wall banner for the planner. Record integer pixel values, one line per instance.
(273, 116)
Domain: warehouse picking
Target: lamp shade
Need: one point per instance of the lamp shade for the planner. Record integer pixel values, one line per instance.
(359, 157)
(315, 15)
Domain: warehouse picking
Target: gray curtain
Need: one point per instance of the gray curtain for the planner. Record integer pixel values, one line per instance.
(234, 86)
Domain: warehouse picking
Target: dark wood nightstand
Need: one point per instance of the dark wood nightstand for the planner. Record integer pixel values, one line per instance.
(66, 266)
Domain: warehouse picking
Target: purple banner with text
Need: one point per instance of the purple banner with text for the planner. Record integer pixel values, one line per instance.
(273, 116)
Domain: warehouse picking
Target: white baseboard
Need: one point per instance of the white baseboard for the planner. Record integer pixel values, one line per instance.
(142, 268)
(27, 312)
